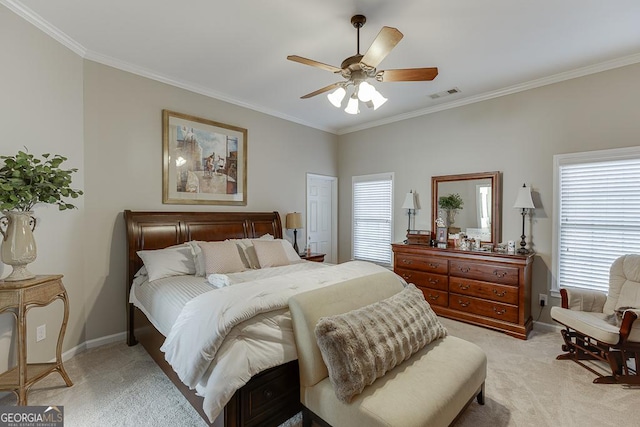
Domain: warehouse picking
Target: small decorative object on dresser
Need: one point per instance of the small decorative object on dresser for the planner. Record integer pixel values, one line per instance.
(484, 288)
(24, 182)
(524, 202)
(410, 205)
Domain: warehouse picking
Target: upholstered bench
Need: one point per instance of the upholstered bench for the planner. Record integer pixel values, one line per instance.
(430, 388)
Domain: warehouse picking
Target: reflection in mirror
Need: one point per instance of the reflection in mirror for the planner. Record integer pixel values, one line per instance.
(479, 216)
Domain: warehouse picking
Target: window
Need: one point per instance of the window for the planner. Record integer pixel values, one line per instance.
(372, 218)
(596, 215)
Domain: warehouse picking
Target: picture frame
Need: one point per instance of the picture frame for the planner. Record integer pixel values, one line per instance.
(204, 161)
(441, 235)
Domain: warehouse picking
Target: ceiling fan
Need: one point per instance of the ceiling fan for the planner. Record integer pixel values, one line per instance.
(358, 68)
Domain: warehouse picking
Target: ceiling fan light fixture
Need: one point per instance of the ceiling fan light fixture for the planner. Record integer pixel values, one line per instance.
(377, 99)
(366, 92)
(352, 106)
(336, 97)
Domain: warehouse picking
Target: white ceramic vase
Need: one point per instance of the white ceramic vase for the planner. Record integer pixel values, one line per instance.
(18, 245)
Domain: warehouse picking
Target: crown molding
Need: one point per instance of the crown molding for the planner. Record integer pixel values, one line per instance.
(556, 78)
(144, 72)
(36, 20)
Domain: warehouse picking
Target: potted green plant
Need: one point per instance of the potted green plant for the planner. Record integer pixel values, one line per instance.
(26, 180)
(451, 204)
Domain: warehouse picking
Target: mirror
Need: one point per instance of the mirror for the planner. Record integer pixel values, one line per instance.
(481, 196)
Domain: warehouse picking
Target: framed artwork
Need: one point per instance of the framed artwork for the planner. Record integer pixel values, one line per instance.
(204, 162)
(441, 235)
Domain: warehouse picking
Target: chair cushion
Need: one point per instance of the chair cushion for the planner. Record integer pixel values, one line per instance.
(597, 325)
(428, 389)
(624, 283)
(362, 345)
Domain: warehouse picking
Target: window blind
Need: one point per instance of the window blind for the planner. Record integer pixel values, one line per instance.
(599, 218)
(372, 218)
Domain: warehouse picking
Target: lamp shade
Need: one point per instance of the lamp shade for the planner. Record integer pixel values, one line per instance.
(524, 200)
(409, 201)
(293, 220)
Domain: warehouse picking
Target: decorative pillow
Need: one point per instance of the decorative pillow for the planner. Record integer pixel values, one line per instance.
(248, 252)
(221, 257)
(167, 262)
(362, 345)
(198, 258)
(270, 253)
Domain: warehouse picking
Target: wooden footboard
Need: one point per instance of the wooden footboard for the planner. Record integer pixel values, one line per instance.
(269, 398)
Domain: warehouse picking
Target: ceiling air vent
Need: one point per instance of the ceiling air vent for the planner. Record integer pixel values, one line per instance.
(444, 93)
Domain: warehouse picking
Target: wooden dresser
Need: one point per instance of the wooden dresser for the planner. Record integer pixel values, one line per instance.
(484, 288)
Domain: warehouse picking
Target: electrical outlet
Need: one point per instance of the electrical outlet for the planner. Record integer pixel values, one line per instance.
(543, 300)
(41, 332)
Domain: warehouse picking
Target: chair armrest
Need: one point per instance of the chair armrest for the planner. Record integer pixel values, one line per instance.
(629, 317)
(583, 299)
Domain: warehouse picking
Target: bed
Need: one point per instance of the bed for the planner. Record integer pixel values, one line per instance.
(267, 395)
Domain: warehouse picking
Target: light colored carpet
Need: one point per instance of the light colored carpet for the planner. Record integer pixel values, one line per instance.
(116, 385)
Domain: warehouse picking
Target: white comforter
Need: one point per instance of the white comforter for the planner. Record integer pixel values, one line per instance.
(224, 337)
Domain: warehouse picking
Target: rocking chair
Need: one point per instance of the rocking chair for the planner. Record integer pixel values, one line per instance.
(604, 327)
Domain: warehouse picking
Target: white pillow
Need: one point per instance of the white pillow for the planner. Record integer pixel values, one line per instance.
(221, 257)
(292, 255)
(270, 253)
(198, 258)
(174, 261)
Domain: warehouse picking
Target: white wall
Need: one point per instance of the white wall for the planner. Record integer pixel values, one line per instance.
(41, 108)
(516, 134)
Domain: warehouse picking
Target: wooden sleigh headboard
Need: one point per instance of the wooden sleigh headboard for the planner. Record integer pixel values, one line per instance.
(157, 230)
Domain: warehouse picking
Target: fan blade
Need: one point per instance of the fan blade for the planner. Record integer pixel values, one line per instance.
(305, 61)
(386, 40)
(407, 75)
(319, 91)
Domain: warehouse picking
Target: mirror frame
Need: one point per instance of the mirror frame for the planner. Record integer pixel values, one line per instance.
(496, 198)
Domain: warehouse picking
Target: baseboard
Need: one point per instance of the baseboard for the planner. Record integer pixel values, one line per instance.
(546, 327)
(98, 342)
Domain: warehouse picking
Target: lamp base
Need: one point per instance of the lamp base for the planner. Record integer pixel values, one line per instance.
(295, 240)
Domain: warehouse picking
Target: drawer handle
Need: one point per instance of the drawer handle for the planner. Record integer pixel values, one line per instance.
(433, 282)
(434, 297)
(501, 294)
(464, 304)
(499, 312)
(463, 287)
(406, 276)
(464, 269)
(434, 265)
(407, 261)
(499, 274)
(268, 393)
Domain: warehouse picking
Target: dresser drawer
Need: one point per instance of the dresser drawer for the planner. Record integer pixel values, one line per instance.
(435, 297)
(432, 265)
(495, 310)
(493, 291)
(420, 278)
(485, 272)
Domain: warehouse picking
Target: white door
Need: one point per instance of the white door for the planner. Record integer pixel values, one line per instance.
(322, 215)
